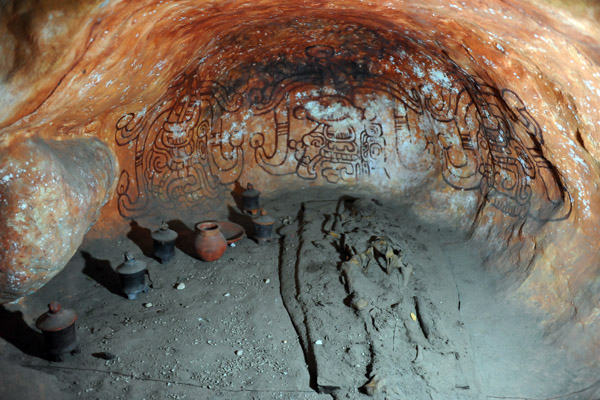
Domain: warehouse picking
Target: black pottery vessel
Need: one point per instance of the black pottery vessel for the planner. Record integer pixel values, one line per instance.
(133, 276)
(251, 202)
(58, 327)
(164, 243)
(263, 227)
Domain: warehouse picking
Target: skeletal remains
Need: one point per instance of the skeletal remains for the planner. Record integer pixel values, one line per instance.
(377, 247)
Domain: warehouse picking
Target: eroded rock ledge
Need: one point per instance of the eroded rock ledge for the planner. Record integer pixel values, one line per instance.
(485, 114)
(51, 194)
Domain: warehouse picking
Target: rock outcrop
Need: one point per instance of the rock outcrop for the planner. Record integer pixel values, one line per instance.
(51, 193)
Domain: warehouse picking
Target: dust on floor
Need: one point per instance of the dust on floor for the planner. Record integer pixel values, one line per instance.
(356, 298)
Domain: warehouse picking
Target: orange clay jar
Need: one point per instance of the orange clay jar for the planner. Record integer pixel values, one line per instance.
(210, 244)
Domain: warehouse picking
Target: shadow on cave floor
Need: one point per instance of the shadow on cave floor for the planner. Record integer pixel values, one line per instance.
(102, 272)
(296, 316)
(185, 237)
(14, 330)
(236, 194)
(142, 237)
(243, 220)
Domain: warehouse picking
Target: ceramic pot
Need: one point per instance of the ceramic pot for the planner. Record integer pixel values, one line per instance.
(164, 243)
(251, 202)
(263, 227)
(58, 327)
(133, 276)
(210, 244)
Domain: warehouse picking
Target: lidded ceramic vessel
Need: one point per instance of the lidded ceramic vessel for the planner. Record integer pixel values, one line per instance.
(164, 243)
(133, 276)
(210, 244)
(251, 202)
(263, 227)
(58, 327)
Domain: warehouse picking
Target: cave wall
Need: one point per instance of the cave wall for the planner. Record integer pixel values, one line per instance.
(484, 114)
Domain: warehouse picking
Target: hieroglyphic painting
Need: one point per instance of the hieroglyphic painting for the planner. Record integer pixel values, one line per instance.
(321, 114)
(182, 157)
(344, 139)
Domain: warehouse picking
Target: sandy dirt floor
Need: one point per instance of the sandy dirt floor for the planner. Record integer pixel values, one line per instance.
(354, 298)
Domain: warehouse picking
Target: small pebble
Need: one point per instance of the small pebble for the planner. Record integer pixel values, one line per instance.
(147, 305)
(239, 352)
(360, 304)
(267, 280)
(227, 294)
(180, 286)
(375, 386)
(318, 342)
(232, 245)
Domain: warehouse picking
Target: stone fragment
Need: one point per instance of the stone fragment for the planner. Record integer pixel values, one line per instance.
(360, 303)
(374, 386)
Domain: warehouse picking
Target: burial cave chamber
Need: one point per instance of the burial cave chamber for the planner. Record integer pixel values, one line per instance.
(430, 170)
